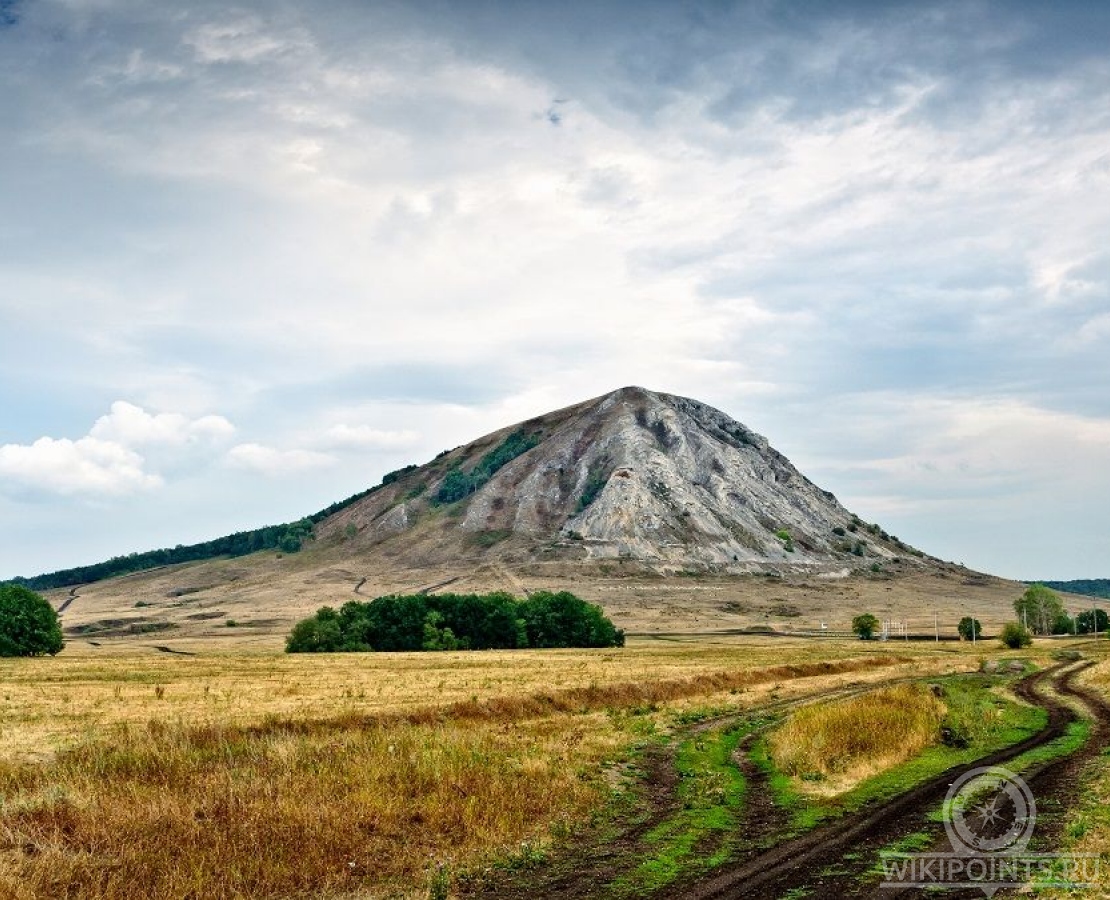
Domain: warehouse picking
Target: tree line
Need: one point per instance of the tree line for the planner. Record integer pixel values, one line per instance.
(400, 622)
(1092, 587)
(285, 538)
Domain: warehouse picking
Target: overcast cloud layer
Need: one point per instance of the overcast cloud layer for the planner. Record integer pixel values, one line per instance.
(253, 257)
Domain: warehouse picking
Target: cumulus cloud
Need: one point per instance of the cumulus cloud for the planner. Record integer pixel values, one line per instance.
(132, 426)
(275, 463)
(107, 461)
(87, 466)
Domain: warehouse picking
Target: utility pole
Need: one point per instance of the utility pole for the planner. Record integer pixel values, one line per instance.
(936, 625)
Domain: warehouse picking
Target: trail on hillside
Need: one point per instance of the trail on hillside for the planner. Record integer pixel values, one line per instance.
(64, 605)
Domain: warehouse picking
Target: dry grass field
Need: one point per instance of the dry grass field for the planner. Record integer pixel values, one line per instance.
(847, 741)
(127, 773)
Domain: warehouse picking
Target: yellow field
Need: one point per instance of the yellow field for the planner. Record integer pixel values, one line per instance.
(47, 703)
(137, 774)
(847, 741)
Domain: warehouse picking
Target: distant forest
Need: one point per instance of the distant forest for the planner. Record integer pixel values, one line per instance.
(287, 538)
(1092, 587)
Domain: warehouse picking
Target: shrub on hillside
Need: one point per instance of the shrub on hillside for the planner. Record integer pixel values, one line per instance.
(457, 484)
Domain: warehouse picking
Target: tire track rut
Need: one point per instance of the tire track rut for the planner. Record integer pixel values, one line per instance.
(798, 863)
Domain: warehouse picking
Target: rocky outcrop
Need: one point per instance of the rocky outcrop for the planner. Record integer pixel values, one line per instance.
(664, 480)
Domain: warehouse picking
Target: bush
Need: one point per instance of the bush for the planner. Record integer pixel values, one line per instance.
(1015, 636)
(864, 626)
(564, 620)
(320, 634)
(28, 623)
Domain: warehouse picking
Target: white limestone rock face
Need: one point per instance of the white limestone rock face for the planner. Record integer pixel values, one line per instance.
(634, 474)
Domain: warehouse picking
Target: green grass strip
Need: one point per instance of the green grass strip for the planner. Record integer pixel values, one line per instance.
(711, 795)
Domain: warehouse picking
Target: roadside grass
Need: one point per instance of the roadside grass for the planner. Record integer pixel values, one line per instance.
(831, 747)
(975, 709)
(1080, 820)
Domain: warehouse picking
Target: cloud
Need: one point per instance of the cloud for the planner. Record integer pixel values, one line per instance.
(132, 426)
(363, 437)
(299, 216)
(87, 466)
(275, 463)
(244, 40)
(107, 461)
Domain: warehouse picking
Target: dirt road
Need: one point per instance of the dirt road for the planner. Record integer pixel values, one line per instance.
(834, 860)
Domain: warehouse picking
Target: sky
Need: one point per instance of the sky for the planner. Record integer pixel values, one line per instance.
(254, 256)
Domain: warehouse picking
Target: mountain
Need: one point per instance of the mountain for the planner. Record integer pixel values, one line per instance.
(666, 511)
(661, 480)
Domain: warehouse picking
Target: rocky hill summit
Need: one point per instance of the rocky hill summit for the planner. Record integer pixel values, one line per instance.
(660, 480)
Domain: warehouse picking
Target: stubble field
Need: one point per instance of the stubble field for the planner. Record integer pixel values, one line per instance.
(131, 773)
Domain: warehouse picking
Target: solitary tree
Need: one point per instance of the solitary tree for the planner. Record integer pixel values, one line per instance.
(1039, 608)
(28, 623)
(970, 629)
(864, 625)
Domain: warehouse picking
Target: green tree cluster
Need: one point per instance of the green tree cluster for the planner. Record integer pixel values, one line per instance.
(1041, 610)
(400, 622)
(28, 623)
(1091, 620)
(457, 484)
(288, 538)
(1093, 587)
